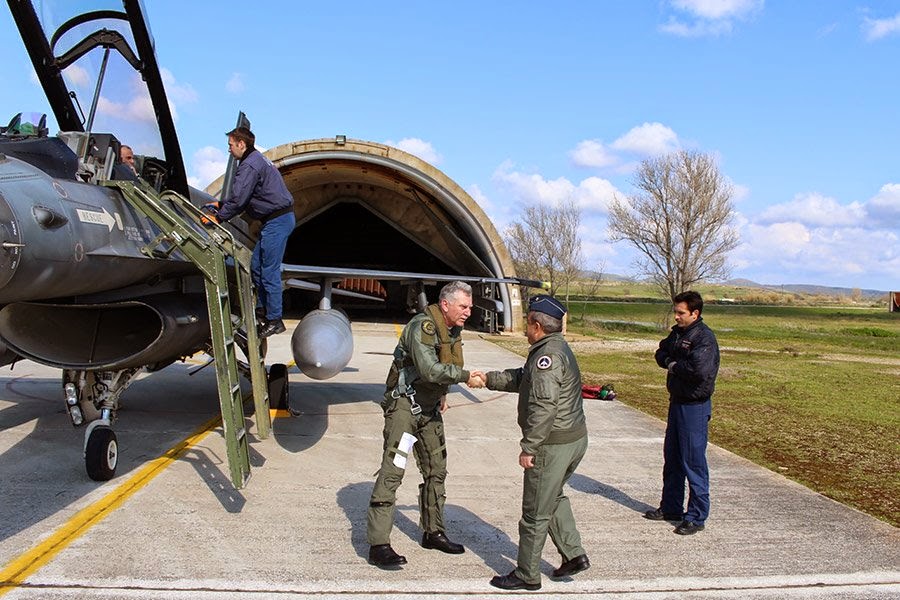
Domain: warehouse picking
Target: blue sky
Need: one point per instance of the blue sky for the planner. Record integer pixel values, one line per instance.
(523, 102)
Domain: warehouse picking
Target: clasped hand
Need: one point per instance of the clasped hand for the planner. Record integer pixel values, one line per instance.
(477, 379)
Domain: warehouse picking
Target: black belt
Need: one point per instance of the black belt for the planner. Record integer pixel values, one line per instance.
(277, 213)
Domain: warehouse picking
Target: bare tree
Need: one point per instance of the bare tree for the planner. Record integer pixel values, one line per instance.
(680, 220)
(545, 245)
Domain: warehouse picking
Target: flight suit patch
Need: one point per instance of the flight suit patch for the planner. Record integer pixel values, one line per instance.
(428, 327)
(544, 362)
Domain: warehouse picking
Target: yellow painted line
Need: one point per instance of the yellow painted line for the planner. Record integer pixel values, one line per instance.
(397, 329)
(21, 568)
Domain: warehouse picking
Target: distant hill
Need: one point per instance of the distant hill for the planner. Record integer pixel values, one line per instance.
(604, 276)
(793, 288)
(814, 290)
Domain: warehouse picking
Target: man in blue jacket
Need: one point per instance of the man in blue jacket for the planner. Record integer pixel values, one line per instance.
(690, 354)
(259, 190)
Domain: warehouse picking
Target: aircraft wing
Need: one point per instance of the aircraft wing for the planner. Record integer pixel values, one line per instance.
(311, 271)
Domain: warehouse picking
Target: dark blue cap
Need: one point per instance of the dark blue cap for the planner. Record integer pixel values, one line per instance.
(547, 305)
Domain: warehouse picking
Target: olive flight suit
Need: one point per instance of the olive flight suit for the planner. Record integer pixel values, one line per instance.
(554, 431)
(427, 360)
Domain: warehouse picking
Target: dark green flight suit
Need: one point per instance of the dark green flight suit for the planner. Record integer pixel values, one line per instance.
(428, 359)
(551, 416)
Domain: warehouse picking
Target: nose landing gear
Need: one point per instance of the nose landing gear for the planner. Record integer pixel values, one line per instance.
(101, 451)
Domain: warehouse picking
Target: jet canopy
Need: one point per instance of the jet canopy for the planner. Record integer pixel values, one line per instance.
(99, 72)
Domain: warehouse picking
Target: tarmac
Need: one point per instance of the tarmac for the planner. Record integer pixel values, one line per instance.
(170, 524)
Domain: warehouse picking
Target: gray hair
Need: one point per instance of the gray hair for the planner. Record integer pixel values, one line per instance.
(450, 290)
(548, 324)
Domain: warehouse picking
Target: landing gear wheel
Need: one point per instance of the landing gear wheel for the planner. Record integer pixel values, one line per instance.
(101, 454)
(278, 386)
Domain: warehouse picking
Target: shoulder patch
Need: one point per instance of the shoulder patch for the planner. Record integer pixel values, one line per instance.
(428, 327)
(544, 362)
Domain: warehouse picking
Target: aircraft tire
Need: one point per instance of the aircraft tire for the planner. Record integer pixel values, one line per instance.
(102, 454)
(278, 386)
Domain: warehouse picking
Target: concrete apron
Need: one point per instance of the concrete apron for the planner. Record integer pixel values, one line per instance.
(298, 528)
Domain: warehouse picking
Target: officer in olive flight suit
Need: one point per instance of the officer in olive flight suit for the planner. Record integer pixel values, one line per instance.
(427, 360)
(554, 440)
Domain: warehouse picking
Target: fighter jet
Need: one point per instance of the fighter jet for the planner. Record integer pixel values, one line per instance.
(99, 267)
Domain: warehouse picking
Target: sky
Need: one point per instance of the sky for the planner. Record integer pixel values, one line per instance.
(524, 102)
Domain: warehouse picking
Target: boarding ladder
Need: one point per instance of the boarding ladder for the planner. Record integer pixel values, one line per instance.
(209, 248)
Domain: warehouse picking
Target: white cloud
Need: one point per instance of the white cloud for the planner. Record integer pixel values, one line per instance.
(739, 192)
(207, 164)
(480, 198)
(715, 10)
(176, 92)
(648, 139)
(138, 108)
(697, 29)
(595, 193)
(235, 83)
(709, 17)
(417, 147)
(592, 194)
(818, 240)
(814, 210)
(592, 153)
(875, 29)
(822, 255)
(772, 242)
(533, 188)
(75, 76)
(883, 210)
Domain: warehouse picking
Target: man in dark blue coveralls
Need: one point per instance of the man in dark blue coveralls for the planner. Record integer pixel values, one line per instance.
(259, 190)
(690, 354)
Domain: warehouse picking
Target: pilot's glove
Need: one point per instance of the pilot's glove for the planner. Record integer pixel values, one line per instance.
(210, 214)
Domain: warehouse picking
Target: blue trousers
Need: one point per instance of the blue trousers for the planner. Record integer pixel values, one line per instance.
(684, 451)
(265, 263)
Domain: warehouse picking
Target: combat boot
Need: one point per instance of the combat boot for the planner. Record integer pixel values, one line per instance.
(384, 557)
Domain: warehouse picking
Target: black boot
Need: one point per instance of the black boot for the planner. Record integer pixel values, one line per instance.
(438, 541)
(384, 557)
(570, 567)
(512, 582)
(272, 327)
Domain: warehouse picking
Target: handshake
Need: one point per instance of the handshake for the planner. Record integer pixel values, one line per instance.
(477, 379)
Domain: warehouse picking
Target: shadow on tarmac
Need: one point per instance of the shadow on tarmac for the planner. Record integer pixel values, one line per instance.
(485, 540)
(312, 400)
(587, 485)
(157, 412)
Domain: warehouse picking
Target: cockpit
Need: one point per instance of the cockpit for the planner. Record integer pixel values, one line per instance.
(98, 70)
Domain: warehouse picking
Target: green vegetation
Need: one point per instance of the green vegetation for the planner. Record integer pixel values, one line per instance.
(631, 291)
(810, 392)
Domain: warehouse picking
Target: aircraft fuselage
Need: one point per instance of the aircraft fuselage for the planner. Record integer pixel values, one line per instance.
(63, 238)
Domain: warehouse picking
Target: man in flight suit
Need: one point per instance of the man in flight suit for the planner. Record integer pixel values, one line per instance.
(554, 440)
(690, 354)
(427, 360)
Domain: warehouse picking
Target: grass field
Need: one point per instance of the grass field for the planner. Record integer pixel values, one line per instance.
(810, 392)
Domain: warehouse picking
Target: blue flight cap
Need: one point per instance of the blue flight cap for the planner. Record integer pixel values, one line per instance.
(547, 305)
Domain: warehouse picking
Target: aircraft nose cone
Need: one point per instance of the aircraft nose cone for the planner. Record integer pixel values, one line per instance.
(322, 344)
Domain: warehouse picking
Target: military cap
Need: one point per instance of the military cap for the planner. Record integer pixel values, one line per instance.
(547, 305)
